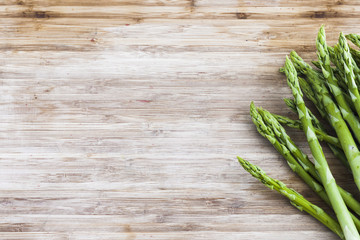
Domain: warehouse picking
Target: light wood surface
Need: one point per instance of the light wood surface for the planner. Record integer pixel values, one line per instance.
(122, 119)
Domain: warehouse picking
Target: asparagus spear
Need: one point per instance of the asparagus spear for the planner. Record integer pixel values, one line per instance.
(333, 83)
(322, 91)
(267, 131)
(309, 93)
(356, 55)
(337, 151)
(269, 128)
(291, 104)
(316, 64)
(339, 50)
(335, 118)
(277, 131)
(313, 76)
(338, 71)
(338, 75)
(354, 38)
(333, 142)
(350, 77)
(335, 58)
(321, 165)
(288, 121)
(295, 198)
(321, 135)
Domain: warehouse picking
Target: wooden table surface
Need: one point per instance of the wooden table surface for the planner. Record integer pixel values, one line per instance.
(122, 119)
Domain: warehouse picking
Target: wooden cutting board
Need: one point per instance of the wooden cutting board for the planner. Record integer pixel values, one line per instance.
(122, 119)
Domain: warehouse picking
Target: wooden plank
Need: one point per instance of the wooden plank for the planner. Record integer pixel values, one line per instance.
(122, 119)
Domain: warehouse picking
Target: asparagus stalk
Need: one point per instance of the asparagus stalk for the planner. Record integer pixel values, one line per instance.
(338, 75)
(339, 52)
(338, 71)
(350, 78)
(354, 38)
(335, 58)
(322, 91)
(337, 122)
(356, 55)
(321, 135)
(268, 132)
(288, 121)
(296, 159)
(291, 104)
(295, 198)
(316, 64)
(337, 151)
(321, 165)
(313, 76)
(332, 83)
(347, 142)
(332, 142)
(309, 93)
(277, 131)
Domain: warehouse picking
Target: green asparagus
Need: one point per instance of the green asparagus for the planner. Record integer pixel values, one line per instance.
(275, 130)
(354, 38)
(322, 92)
(321, 165)
(348, 64)
(295, 198)
(356, 55)
(321, 135)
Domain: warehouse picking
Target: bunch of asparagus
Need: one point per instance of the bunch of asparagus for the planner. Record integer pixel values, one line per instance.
(333, 87)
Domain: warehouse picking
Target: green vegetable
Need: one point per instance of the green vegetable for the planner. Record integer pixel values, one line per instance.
(320, 88)
(271, 129)
(356, 55)
(354, 38)
(347, 142)
(321, 164)
(348, 63)
(321, 135)
(295, 198)
(333, 89)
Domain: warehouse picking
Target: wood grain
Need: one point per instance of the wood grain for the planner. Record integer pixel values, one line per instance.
(122, 119)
